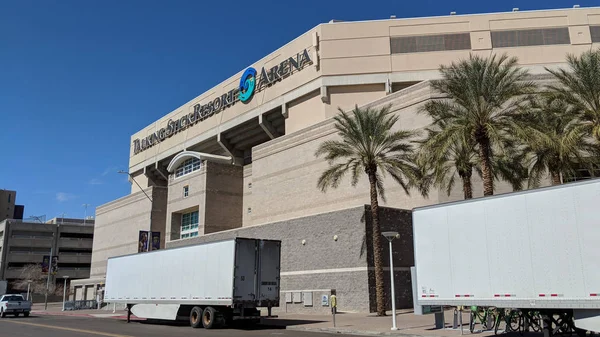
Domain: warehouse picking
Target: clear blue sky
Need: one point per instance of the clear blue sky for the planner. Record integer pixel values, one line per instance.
(78, 78)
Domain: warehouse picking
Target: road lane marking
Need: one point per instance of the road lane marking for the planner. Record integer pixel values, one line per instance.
(68, 329)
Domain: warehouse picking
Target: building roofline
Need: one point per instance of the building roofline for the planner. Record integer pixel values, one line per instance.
(462, 15)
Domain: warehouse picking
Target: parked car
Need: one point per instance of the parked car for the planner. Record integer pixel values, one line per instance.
(14, 304)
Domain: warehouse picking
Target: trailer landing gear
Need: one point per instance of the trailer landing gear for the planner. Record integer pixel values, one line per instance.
(128, 313)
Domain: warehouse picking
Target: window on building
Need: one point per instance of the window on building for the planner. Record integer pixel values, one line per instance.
(9, 198)
(595, 32)
(186, 191)
(189, 225)
(426, 43)
(188, 166)
(530, 37)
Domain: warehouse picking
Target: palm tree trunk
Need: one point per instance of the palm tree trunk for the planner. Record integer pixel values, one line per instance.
(555, 178)
(486, 166)
(377, 249)
(467, 187)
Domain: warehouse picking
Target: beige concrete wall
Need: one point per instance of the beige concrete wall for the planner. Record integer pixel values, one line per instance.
(288, 169)
(141, 180)
(360, 47)
(224, 197)
(178, 205)
(118, 224)
(247, 198)
(346, 97)
(303, 112)
(215, 191)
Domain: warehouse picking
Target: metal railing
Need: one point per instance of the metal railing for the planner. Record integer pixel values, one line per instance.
(81, 305)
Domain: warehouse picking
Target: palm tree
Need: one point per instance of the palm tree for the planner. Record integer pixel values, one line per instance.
(369, 145)
(556, 143)
(442, 162)
(579, 86)
(483, 95)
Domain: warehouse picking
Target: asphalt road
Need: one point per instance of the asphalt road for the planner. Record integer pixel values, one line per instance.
(69, 326)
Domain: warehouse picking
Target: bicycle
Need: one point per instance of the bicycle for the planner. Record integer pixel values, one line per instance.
(486, 318)
(512, 320)
(532, 321)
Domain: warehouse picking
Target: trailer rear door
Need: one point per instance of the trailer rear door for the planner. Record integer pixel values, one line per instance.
(245, 270)
(269, 255)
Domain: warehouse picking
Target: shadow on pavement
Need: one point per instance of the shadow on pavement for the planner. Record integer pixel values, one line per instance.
(283, 323)
(266, 324)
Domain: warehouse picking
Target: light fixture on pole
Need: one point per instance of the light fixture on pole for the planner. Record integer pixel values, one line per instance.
(391, 236)
(149, 239)
(64, 292)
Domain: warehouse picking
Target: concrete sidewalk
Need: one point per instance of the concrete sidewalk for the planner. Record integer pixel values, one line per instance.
(369, 324)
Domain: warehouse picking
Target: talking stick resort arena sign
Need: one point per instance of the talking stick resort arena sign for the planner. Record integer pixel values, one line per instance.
(250, 82)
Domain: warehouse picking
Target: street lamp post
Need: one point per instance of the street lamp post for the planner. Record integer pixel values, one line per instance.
(28, 287)
(49, 273)
(85, 212)
(391, 236)
(64, 292)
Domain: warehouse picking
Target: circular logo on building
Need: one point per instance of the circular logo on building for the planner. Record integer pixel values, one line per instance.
(247, 84)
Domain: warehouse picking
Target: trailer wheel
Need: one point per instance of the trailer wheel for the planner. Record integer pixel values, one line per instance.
(196, 317)
(208, 317)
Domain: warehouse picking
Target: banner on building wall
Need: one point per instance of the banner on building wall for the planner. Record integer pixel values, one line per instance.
(50, 264)
(54, 265)
(155, 240)
(143, 242)
(45, 263)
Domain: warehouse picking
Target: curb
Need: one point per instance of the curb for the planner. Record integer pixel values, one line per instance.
(47, 313)
(99, 315)
(353, 332)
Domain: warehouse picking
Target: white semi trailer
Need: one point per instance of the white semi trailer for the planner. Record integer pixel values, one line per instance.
(536, 250)
(210, 284)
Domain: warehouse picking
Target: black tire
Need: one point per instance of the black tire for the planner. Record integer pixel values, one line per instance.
(26, 314)
(209, 316)
(196, 317)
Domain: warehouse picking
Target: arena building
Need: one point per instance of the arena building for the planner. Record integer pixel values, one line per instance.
(238, 160)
